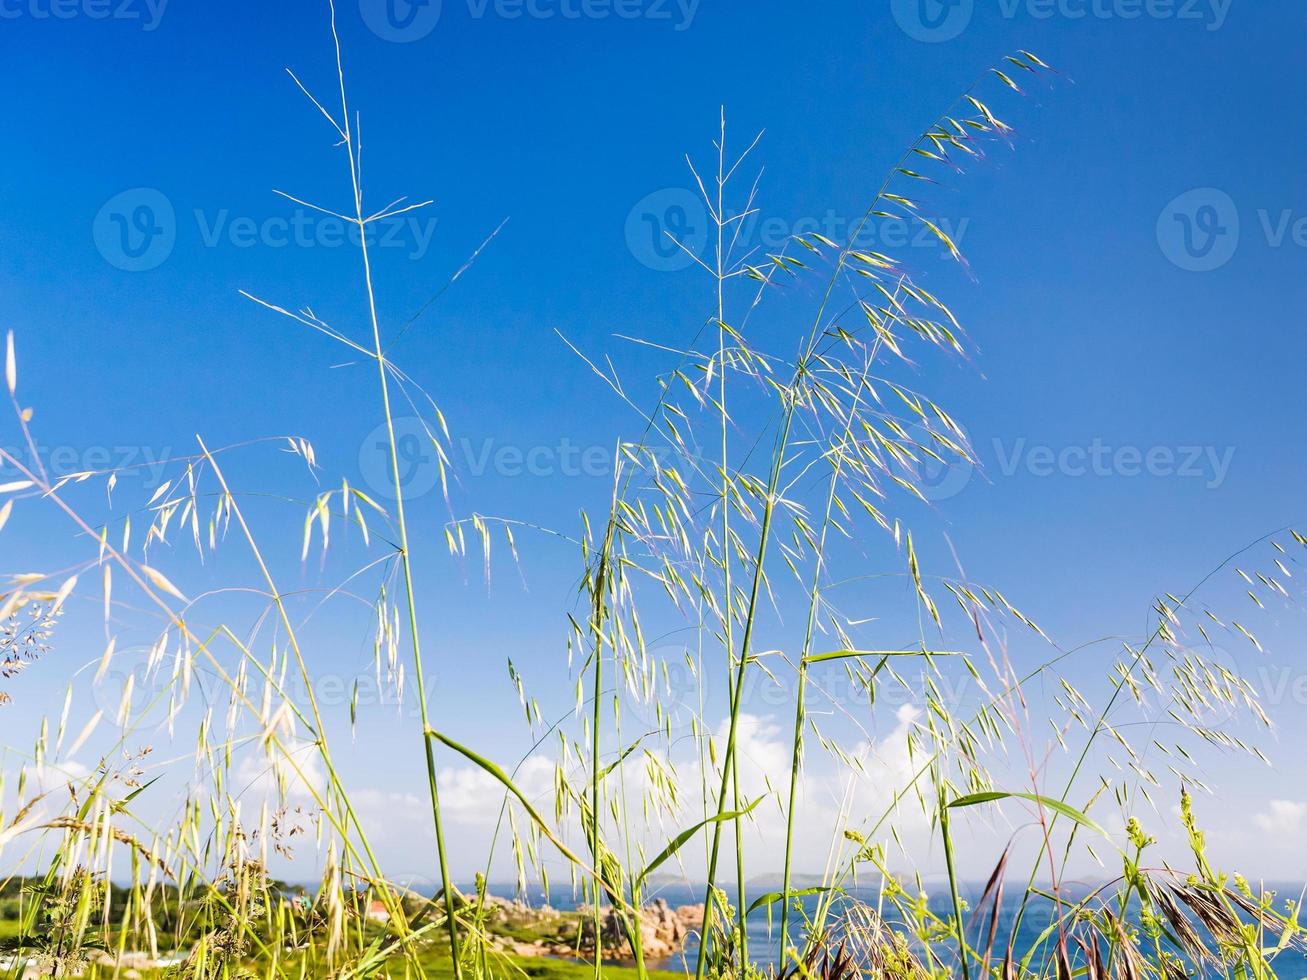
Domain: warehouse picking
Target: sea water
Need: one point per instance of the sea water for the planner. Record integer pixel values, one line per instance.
(764, 932)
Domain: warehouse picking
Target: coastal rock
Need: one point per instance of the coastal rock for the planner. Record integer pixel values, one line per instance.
(691, 915)
(663, 930)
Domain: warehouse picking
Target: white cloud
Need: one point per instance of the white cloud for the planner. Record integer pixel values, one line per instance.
(829, 796)
(830, 799)
(57, 775)
(471, 794)
(1283, 817)
(764, 758)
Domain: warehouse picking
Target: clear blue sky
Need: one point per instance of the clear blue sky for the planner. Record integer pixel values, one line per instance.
(1099, 324)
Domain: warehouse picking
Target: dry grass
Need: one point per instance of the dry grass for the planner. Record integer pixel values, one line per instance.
(729, 510)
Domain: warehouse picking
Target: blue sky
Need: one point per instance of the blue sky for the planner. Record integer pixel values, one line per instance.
(1134, 286)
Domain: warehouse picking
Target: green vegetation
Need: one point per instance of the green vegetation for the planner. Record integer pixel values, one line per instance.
(545, 970)
(729, 521)
(277, 912)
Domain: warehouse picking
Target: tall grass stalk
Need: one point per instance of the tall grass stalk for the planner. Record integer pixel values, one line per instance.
(842, 438)
(152, 586)
(601, 589)
(805, 651)
(719, 221)
(346, 132)
(791, 398)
